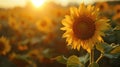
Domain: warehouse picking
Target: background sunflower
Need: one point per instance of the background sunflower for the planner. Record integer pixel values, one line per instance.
(4, 46)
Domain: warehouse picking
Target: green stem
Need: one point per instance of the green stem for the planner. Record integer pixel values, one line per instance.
(92, 56)
(101, 55)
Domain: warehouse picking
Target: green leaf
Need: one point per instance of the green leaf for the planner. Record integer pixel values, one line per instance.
(47, 53)
(104, 47)
(110, 37)
(115, 50)
(5, 62)
(84, 59)
(110, 51)
(117, 28)
(22, 57)
(73, 61)
(100, 48)
(94, 65)
(111, 56)
(117, 35)
(61, 59)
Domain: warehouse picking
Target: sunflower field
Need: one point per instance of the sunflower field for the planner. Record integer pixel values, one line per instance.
(76, 35)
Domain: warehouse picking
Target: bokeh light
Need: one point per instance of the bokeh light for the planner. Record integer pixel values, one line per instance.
(38, 3)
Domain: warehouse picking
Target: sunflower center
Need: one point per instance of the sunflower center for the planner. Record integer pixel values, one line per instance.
(84, 27)
(101, 7)
(2, 46)
(118, 11)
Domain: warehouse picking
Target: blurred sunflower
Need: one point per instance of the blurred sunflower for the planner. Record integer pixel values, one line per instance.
(36, 54)
(46, 25)
(13, 23)
(117, 9)
(21, 61)
(3, 15)
(49, 38)
(117, 19)
(24, 25)
(103, 6)
(84, 27)
(4, 46)
(29, 33)
(0, 27)
(22, 47)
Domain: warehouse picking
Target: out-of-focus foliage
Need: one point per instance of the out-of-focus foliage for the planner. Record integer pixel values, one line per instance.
(30, 37)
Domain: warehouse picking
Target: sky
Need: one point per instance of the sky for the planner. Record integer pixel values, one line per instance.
(22, 3)
(12, 3)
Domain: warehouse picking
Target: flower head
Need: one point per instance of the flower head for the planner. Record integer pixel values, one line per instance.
(84, 27)
(103, 6)
(4, 46)
(13, 23)
(117, 9)
(46, 25)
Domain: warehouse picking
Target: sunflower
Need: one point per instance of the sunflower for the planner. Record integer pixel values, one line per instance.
(117, 9)
(4, 46)
(22, 47)
(84, 27)
(46, 25)
(3, 15)
(36, 54)
(13, 23)
(0, 27)
(20, 61)
(117, 19)
(103, 6)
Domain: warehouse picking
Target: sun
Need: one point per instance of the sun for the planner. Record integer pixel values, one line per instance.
(37, 3)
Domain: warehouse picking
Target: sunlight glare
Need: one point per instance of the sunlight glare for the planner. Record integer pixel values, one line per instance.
(86, 1)
(38, 3)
